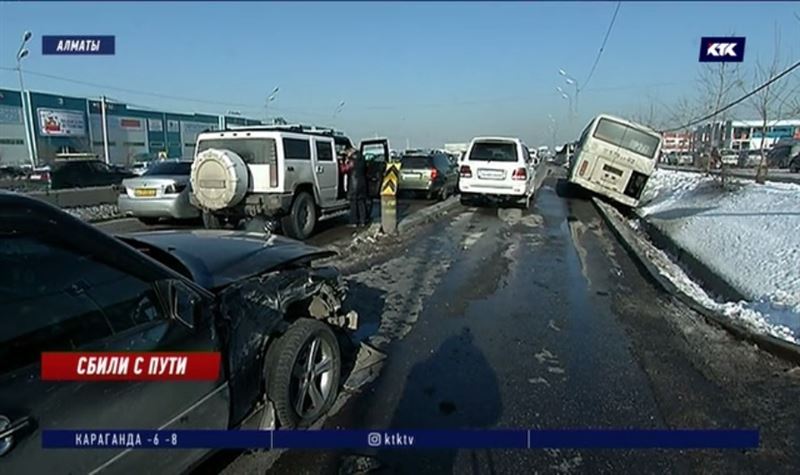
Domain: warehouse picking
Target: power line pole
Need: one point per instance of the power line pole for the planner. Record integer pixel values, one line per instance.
(104, 119)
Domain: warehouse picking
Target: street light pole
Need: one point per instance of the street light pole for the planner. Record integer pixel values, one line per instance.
(270, 98)
(566, 96)
(29, 134)
(572, 82)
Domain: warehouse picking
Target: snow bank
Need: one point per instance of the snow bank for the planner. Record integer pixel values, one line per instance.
(746, 233)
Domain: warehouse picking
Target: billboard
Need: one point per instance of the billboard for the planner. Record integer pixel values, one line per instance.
(128, 123)
(61, 123)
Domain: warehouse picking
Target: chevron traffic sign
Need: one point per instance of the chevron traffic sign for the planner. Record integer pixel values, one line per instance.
(390, 179)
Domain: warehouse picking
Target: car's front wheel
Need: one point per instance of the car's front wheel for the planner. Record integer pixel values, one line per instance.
(304, 377)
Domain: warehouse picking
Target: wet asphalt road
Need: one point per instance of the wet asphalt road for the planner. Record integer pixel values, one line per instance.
(504, 318)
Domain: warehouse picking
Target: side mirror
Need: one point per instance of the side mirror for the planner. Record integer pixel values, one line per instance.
(181, 303)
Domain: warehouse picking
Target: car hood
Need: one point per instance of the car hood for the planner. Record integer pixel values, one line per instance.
(217, 258)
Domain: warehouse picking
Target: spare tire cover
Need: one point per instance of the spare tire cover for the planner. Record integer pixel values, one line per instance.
(219, 178)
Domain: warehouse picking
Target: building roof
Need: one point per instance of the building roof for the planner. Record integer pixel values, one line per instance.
(770, 123)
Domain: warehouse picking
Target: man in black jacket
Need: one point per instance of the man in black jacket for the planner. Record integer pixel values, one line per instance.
(357, 187)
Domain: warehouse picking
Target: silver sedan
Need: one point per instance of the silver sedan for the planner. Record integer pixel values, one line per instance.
(162, 192)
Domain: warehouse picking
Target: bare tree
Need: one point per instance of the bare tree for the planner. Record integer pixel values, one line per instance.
(771, 102)
(718, 82)
(646, 115)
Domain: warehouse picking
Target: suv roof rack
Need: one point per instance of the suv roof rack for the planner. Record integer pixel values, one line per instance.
(301, 128)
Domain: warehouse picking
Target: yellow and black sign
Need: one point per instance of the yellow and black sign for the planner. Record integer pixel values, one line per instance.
(390, 179)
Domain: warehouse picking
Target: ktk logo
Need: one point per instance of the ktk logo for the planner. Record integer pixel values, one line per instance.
(722, 49)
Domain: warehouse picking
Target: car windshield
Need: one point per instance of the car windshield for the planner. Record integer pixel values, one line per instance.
(169, 168)
(495, 151)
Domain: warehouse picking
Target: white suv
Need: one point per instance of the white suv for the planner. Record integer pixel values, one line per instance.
(260, 175)
(496, 168)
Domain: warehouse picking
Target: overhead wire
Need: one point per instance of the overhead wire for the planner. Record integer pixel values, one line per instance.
(603, 45)
(738, 101)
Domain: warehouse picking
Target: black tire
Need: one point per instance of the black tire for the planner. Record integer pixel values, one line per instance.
(466, 200)
(148, 221)
(302, 217)
(211, 221)
(285, 381)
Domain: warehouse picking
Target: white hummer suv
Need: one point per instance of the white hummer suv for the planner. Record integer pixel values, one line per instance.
(256, 176)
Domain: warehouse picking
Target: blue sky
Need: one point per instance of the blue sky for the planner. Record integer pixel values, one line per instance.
(425, 72)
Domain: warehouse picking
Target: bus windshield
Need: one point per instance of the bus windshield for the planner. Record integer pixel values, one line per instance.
(629, 138)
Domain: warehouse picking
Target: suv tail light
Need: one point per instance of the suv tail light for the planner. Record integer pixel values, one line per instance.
(520, 174)
(466, 171)
(434, 173)
(273, 176)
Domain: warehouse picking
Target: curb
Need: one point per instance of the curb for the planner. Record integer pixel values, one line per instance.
(630, 242)
(426, 214)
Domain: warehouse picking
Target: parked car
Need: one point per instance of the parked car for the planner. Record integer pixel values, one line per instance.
(84, 173)
(431, 174)
(749, 158)
(781, 154)
(729, 157)
(276, 321)
(141, 161)
(163, 191)
(794, 164)
(496, 169)
(260, 175)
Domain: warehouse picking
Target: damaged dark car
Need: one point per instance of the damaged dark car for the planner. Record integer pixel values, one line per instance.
(278, 321)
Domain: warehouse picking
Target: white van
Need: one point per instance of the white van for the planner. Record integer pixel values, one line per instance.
(496, 168)
(615, 158)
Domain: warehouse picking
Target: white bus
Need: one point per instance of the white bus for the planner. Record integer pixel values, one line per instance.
(615, 157)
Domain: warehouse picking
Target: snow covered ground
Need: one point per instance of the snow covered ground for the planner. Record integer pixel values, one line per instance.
(748, 234)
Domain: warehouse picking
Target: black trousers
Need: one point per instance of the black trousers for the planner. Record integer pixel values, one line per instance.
(358, 210)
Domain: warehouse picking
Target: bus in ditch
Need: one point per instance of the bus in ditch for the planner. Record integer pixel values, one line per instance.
(615, 158)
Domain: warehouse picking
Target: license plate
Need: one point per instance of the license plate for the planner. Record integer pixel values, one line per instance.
(411, 176)
(144, 192)
(491, 174)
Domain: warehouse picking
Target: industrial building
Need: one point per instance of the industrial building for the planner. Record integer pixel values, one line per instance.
(64, 124)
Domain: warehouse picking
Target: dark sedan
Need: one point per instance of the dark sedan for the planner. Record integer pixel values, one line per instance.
(256, 300)
(84, 173)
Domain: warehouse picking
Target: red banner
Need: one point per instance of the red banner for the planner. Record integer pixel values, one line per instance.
(130, 366)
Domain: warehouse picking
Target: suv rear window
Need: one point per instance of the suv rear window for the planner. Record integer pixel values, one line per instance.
(252, 151)
(494, 152)
(417, 161)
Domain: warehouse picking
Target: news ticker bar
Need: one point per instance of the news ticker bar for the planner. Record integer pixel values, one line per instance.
(424, 439)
